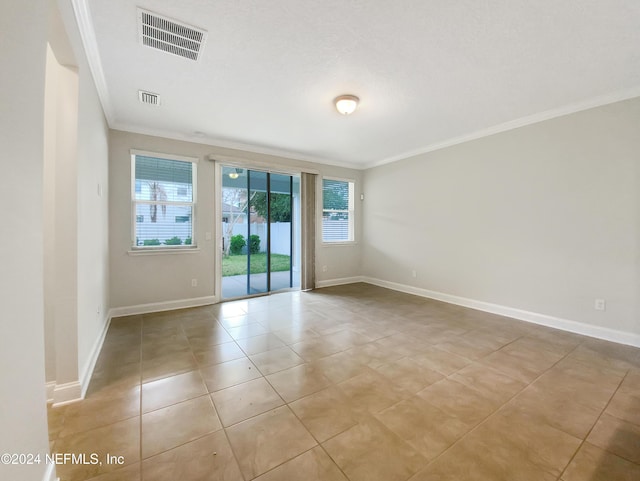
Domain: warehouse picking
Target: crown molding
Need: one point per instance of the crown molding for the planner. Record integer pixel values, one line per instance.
(514, 124)
(240, 146)
(88, 36)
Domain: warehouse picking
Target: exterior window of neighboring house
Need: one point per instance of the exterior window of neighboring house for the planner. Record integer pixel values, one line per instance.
(337, 210)
(163, 200)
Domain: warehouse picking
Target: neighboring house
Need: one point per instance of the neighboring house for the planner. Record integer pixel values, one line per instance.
(230, 211)
(163, 222)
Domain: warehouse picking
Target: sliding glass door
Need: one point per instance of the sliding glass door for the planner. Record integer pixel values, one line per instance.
(260, 232)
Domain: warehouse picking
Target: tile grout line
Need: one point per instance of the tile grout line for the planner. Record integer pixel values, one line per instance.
(208, 394)
(318, 443)
(141, 377)
(224, 428)
(496, 410)
(337, 434)
(482, 422)
(593, 427)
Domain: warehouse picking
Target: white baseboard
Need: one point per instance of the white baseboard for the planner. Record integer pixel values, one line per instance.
(607, 334)
(76, 390)
(50, 388)
(67, 393)
(161, 306)
(87, 370)
(339, 282)
(50, 473)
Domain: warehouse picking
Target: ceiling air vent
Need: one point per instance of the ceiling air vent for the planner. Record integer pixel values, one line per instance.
(170, 36)
(148, 97)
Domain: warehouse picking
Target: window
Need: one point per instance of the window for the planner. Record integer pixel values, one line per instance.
(337, 210)
(163, 199)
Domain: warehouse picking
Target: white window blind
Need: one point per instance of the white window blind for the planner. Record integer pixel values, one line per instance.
(337, 210)
(163, 198)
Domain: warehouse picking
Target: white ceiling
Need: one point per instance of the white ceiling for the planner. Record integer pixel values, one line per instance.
(429, 73)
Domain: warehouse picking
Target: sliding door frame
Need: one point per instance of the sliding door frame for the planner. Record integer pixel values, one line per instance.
(220, 162)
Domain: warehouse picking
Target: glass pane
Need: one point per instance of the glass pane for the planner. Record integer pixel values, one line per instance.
(335, 195)
(337, 213)
(249, 200)
(257, 233)
(234, 231)
(163, 180)
(297, 236)
(280, 210)
(163, 225)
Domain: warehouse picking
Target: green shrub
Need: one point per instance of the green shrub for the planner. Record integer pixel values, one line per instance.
(236, 244)
(174, 241)
(187, 241)
(254, 244)
(151, 242)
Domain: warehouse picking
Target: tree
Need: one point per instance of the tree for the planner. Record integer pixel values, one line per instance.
(280, 206)
(335, 199)
(237, 201)
(157, 194)
(335, 195)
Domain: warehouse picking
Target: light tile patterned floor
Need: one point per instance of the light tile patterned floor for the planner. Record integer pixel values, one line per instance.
(352, 383)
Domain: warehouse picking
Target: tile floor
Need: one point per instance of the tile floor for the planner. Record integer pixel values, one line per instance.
(352, 383)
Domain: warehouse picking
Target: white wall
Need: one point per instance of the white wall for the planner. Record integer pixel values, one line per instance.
(64, 288)
(49, 211)
(22, 397)
(76, 210)
(92, 208)
(545, 218)
(145, 279)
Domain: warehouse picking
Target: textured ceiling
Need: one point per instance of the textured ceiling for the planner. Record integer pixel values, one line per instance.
(428, 72)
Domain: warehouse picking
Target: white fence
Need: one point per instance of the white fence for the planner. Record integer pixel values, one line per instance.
(175, 221)
(280, 235)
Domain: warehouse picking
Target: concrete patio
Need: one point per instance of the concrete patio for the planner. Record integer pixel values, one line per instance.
(236, 286)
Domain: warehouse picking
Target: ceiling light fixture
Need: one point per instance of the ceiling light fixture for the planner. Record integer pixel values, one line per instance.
(236, 174)
(346, 104)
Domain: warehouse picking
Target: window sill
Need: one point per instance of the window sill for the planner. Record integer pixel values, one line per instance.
(163, 251)
(341, 243)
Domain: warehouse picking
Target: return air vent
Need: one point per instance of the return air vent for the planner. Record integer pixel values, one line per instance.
(170, 36)
(148, 97)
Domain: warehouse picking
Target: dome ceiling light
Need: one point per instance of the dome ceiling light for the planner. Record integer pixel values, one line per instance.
(235, 174)
(346, 104)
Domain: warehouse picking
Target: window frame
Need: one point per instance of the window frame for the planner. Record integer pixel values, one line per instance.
(134, 202)
(350, 211)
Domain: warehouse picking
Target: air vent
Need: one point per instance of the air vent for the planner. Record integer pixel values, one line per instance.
(170, 36)
(148, 97)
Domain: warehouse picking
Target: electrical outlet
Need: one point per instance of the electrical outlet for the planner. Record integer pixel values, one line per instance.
(194, 282)
(324, 269)
(600, 305)
(414, 274)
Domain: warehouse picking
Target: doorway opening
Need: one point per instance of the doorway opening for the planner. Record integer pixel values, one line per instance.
(260, 232)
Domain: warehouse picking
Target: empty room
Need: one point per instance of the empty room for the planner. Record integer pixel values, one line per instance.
(326, 241)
